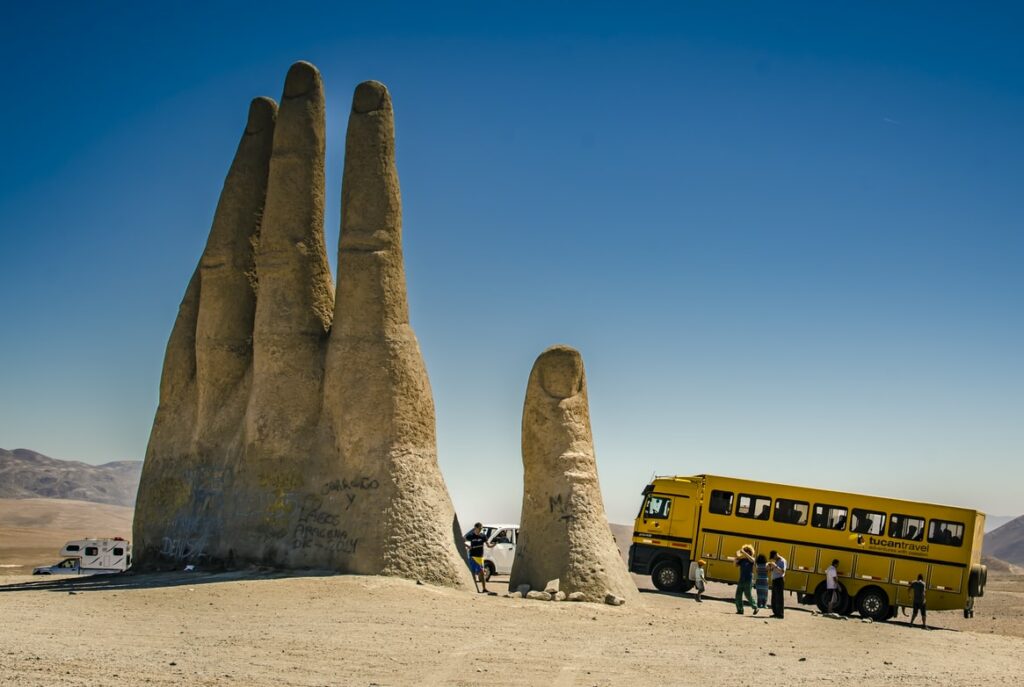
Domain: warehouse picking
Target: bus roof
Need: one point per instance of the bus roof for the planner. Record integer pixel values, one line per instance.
(690, 478)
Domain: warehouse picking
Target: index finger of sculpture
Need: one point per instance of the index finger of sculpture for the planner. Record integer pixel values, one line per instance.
(228, 268)
(295, 295)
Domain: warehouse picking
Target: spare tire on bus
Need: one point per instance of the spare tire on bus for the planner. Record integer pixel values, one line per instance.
(667, 576)
(976, 581)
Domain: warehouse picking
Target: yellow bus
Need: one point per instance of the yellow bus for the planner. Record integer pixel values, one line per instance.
(881, 544)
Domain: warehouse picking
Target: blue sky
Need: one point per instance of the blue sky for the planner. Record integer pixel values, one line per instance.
(786, 238)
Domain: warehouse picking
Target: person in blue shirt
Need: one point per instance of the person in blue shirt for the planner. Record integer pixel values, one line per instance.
(745, 562)
(477, 540)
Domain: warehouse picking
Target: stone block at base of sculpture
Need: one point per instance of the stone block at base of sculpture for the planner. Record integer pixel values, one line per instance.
(564, 531)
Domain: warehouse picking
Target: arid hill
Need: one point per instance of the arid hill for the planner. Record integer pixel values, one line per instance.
(1007, 542)
(26, 474)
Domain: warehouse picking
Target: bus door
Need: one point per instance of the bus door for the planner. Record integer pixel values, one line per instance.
(654, 523)
(684, 523)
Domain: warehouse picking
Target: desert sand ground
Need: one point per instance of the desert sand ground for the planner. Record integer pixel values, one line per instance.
(269, 629)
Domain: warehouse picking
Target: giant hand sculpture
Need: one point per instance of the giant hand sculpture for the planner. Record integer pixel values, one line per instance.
(296, 423)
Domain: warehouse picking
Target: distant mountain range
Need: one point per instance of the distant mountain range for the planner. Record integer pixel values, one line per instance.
(993, 522)
(27, 474)
(1007, 542)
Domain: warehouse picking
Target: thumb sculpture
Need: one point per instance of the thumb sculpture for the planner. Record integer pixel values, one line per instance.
(296, 423)
(564, 532)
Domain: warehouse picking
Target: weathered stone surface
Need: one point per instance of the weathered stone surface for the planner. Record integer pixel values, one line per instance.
(577, 596)
(539, 596)
(613, 600)
(559, 596)
(564, 531)
(296, 426)
(552, 586)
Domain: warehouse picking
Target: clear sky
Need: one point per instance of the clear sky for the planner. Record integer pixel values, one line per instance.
(786, 238)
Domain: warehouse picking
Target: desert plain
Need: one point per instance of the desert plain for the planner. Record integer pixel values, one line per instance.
(260, 627)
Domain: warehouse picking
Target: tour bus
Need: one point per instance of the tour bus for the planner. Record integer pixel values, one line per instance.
(881, 544)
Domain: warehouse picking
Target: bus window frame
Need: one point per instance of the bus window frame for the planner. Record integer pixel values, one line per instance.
(666, 501)
(903, 517)
(794, 502)
(881, 527)
(712, 501)
(845, 517)
(753, 506)
(954, 541)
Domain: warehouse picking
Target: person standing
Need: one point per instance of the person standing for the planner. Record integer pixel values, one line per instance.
(477, 540)
(698, 581)
(745, 562)
(777, 568)
(832, 587)
(761, 580)
(918, 587)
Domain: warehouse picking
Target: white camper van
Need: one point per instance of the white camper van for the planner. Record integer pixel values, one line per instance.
(91, 557)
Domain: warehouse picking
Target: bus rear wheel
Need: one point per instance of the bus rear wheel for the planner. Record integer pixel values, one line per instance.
(873, 603)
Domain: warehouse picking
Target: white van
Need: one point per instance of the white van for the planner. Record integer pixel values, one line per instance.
(91, 557)
(498, 559)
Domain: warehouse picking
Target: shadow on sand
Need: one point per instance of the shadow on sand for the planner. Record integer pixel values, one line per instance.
(155, 580)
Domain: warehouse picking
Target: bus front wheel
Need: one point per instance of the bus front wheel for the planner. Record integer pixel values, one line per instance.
(873, 603)
(667, 576)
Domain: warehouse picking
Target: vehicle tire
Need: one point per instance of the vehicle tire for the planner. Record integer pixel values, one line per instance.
(667, 576)
(873, 603)
(488, 570)
(821, 598)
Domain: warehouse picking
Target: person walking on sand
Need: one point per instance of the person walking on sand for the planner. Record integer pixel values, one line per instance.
(745, 562)
(777, 568)
(918, 587)
(832, 587)
(761, 580)
(477, 540)
(698, 579)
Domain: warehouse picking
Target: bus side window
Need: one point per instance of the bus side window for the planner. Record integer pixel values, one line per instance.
(751, 506)
(721, 502)
(867, 522)
(791, 512)
(946, 532)
(657, 507)
(906, 527)
(828, 517)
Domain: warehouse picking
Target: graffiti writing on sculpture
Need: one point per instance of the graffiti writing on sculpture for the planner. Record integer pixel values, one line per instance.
(320, 529)
(560, 507)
